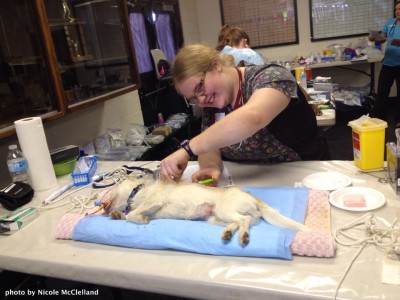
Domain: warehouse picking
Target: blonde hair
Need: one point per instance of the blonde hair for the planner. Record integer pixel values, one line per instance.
(195, 60)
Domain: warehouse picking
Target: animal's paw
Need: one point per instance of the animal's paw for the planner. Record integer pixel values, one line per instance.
(244, 239)
(141, 219)
(226, 235)
(117, 215)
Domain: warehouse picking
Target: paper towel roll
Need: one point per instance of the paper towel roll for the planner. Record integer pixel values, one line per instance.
(32, 140)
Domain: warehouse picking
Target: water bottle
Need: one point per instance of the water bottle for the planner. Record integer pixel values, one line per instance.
(303, 80)
(287, 66)
(17, 165)
(160, 118)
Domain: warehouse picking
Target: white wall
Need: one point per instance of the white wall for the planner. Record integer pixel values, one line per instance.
(201, 22)
(209, 22)
(206, 15)
(189, 20)
(81, 127)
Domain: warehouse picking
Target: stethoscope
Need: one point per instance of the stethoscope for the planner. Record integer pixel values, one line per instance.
(392, 28)
(115, 177)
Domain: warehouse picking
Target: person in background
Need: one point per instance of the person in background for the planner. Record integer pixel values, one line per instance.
(390, 67)
(223, 37)
(236, 42)
(250, 114)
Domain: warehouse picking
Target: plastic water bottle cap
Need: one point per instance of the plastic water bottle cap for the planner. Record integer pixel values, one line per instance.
(12, 147)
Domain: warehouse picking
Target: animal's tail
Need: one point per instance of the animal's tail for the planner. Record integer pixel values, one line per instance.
(275, 218)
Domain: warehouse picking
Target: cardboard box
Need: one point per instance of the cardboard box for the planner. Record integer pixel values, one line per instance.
(323, 86)
(162, 130)
(17, 219)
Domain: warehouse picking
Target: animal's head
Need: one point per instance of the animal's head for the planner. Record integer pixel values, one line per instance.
(121, 192)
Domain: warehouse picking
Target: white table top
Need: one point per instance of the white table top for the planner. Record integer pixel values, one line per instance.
(338, 63)
(328, 117)
(35, 250)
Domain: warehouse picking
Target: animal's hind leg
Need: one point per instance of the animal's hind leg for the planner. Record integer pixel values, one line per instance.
(244, 225)
(141, 213)
(117, 215)
(229, 231)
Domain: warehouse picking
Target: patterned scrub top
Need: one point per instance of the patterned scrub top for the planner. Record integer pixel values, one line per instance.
(291, 136)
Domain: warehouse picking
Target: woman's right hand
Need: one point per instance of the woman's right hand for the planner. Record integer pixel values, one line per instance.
(173, 166)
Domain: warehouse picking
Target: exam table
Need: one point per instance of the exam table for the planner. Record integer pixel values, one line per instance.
(34, 250)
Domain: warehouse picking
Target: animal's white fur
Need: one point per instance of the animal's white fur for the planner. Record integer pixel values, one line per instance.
(230, 207)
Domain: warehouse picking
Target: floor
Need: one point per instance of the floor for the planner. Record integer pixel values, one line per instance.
(339, 136)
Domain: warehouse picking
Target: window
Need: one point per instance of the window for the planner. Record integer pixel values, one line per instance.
(59, 56)
(92, 51)
(333, 19)
(140, 40)
(26, 88)
(165, 41)
(268, 23)
(155, 24)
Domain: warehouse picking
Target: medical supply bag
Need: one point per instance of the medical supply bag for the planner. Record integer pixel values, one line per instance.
(15, 195)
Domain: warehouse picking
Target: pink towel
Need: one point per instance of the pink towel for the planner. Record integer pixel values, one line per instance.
(66, 225)
(319, 241)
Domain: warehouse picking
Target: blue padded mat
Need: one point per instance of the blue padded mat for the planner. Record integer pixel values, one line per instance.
(198, 236)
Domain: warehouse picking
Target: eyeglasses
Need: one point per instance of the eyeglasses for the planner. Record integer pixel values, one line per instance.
(198, 91)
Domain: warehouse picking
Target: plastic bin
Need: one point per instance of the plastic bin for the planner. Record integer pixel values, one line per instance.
(298, 72)
(84, 170)
(368, 142)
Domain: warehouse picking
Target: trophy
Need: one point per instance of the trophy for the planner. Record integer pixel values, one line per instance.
(67, 12)
(75, 48)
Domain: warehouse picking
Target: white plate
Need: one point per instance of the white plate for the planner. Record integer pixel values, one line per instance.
(373, 198)
(327, 181)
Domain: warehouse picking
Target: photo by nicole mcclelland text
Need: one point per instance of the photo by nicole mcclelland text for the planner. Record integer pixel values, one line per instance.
(52, 292)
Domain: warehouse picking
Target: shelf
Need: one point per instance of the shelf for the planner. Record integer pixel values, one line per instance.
(91, 2)
(82, 58)
(58, 23)
(26, 60)
(88, 62)
(108, 61)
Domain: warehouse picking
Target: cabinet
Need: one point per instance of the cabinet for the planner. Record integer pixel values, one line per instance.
(59, 56)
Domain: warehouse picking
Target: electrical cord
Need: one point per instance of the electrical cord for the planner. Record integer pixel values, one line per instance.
(384, 237)
(52, 205)
(103, 181)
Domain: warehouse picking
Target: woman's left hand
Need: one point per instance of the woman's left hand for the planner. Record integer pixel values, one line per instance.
(173, 166)
(211, 174)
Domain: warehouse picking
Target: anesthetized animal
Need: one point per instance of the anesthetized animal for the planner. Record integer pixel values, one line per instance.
(144, 199)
